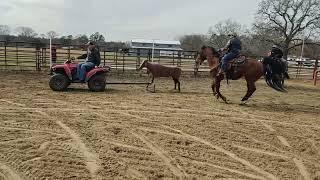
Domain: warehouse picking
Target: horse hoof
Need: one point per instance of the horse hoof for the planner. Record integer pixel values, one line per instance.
(244, 102)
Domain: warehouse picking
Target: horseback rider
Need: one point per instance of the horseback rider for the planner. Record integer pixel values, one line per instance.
(276, 52)
(274, 63)
(93, 60)
(233, 49)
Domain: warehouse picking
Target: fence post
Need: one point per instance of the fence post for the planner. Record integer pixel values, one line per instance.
(69, 52)
(173, 58)
(299, 68)
(315, 69)
(195, 68)
(44, 63)
(116, 59)
(17, 55)
(122, 62)
(37, 59)
(104, 58)
(5, 55)
(179, 58)
(149, 55)
(138, 59)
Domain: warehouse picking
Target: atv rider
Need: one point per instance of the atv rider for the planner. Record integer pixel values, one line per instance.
(233, 49)
(93, 60)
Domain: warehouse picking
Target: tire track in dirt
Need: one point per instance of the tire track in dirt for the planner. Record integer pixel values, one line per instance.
(230, 154)
(226, 152)
(284, 141)
(252, 117)
(302, 169)
(174, 167)
(230, 170)
(7, 173)
(314, 146)
(298, 162)
(132, 172)
(125, 145)
(30, 130)
(281, 138)
(92, 160)
(260, 151)
(20, 139)
(13, 103)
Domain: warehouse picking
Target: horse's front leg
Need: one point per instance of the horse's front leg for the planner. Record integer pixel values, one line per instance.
(218, 84)
(213, 73)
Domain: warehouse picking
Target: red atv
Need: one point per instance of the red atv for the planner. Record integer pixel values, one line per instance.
(63, 75)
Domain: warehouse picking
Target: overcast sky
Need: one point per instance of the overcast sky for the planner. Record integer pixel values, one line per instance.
(125, 19)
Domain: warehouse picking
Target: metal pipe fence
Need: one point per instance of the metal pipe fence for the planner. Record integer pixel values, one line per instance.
(36, 57)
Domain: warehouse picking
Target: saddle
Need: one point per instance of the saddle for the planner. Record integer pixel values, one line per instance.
(234, 65)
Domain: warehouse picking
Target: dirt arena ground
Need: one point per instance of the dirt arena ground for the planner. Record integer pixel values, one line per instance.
(128, 133)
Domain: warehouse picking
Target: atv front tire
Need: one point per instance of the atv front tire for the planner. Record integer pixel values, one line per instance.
(59, 82)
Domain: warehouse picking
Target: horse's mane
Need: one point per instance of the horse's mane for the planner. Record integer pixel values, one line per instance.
(214, 51)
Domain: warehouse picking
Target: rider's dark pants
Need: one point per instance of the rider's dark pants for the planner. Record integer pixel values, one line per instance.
(227, 58)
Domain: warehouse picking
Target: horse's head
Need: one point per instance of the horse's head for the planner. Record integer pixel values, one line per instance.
(143, 64)
(202, 56)
(205, 53)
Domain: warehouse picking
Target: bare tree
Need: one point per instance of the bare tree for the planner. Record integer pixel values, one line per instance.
(52, 34)
(218, 35)
(192, 42)
(4, 30)
(97, 37)
(26, 32)
(288, 20)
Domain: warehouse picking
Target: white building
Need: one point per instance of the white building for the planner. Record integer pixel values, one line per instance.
(159, 47)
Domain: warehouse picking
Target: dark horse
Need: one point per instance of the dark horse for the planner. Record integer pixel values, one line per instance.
(251, 69)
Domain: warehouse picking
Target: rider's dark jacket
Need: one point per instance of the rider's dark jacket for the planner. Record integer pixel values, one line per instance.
(234, 45)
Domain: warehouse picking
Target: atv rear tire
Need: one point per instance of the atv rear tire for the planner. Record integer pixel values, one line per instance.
(97, 83)
(59, 82)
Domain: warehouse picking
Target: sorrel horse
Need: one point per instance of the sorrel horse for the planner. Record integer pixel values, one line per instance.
(251, 69)
(158, 70)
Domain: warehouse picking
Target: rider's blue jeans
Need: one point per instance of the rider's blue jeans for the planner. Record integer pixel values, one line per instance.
(227, 58)
(83, 68)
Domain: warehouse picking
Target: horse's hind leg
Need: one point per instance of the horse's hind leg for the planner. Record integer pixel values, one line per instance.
(251, 88)
(176, 82)
(213, 87)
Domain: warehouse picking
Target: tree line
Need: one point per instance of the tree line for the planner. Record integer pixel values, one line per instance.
(27, 34)
(285, 23)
